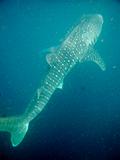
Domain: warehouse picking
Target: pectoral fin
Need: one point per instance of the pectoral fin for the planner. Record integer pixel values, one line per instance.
(50, 58)
(93, 55)
(51, 55)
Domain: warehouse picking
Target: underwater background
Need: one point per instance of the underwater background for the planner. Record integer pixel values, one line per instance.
(81, 121)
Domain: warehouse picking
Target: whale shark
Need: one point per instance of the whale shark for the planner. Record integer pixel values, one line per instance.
(76, 48)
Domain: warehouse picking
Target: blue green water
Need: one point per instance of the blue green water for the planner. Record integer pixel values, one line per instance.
(80, 122)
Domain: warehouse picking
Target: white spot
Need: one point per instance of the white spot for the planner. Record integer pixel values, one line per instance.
(46, 82)
(65, 68)
(114, 67)
(102, 40)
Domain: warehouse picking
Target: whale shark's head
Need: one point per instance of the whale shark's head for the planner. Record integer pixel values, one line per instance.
(91, 26)
(86, 32)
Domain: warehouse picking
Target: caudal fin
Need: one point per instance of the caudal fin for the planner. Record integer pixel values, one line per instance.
(16, 126)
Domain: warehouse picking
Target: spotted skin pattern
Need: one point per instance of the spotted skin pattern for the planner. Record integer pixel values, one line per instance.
(77, 47)
(74, 48)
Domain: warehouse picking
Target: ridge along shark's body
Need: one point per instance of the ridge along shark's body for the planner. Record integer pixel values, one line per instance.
(77, 47)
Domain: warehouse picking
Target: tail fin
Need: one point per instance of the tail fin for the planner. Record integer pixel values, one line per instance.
(16, 126)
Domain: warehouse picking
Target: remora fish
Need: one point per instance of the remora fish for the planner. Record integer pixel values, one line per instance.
(77, 47)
